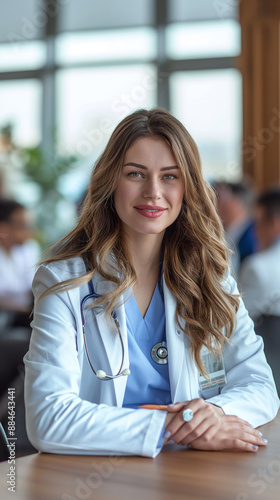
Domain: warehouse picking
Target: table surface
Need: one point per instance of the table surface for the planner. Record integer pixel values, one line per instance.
(176, 473)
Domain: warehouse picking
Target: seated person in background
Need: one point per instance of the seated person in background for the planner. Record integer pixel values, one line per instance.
(234, 203)
(134, 304)
(260, 273)
(18, 257)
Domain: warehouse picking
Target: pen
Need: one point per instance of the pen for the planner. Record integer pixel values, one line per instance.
(154, 407)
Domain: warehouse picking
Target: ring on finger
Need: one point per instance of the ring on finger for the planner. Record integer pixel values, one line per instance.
(187, 415)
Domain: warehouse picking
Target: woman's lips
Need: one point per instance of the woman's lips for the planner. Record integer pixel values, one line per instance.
(151, 212)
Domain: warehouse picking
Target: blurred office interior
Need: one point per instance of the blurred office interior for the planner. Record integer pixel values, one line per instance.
(71, 70)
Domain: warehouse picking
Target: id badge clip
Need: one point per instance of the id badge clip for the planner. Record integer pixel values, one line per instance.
(216, 371)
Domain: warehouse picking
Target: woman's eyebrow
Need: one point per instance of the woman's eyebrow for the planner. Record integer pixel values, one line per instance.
(138, 165)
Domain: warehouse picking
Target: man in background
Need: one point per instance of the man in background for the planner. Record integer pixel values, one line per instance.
(234, 206)
(18, 256)
(260, 273)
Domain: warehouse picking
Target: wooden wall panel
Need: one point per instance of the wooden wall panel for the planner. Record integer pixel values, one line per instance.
(260, 67)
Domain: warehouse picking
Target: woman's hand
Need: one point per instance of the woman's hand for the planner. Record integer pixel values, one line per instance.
(210, 428)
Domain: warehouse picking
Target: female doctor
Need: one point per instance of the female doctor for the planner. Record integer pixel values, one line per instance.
(135, 306)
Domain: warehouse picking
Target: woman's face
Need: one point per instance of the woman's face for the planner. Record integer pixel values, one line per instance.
(149, 195)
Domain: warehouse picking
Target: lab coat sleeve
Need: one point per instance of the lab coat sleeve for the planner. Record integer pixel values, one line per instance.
(250, 391)
(58, 420)
(251, 287)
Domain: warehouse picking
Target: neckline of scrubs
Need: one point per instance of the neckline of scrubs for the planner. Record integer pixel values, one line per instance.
(143, 328)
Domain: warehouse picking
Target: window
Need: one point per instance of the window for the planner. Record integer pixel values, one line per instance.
(203, 39)
(108, 45)
(209, 105)
(20, 56)
(22, 21)
(97, 14)
(89, 106)
(193, 10)
(20, 106)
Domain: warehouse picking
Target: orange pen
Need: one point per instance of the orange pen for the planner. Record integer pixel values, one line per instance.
(154, 407)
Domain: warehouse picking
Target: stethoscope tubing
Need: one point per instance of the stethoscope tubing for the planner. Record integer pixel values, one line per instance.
(94, 295)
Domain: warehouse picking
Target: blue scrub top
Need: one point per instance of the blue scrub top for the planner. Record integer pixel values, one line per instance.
(148, 382)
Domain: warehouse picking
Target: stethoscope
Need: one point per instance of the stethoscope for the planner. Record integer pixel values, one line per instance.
(100, 373)
(159, 351)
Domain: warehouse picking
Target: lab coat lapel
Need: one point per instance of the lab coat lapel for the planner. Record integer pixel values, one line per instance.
(175, 343)
(182, 371)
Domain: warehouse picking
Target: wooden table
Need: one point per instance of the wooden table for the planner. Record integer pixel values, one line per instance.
(175, 474)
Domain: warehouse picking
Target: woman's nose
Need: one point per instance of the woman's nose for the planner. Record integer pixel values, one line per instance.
(152, 189)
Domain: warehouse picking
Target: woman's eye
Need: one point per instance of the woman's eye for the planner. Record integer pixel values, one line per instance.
(135, 174)
(169, 177)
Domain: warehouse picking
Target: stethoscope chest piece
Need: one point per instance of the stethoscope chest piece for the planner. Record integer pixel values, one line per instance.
(160, 354)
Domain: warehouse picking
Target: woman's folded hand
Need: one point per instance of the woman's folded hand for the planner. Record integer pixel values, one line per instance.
(210, 428)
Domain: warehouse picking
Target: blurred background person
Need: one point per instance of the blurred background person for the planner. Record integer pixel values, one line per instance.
(18, 257)
(260, 273)
(234, 205)
(260, 278)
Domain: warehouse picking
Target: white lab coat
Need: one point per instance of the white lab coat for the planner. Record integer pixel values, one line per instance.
(260, 282)
(69, 410)
(17, 272)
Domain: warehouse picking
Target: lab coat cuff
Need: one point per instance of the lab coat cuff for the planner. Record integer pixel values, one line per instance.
(161, 437)
(239, 408)
(151, 445)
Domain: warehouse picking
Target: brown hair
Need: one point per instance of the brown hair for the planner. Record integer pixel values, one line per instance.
(195, 255)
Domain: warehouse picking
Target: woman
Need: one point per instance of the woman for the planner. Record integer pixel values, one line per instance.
(146, 271)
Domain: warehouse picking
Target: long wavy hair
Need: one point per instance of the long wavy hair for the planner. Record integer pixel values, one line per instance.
(195, 254)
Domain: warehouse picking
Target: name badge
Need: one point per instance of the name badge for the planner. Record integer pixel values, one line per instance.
(216, 371)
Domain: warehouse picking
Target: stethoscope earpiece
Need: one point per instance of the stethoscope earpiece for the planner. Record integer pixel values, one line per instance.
(103, 376)
(125, 372)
